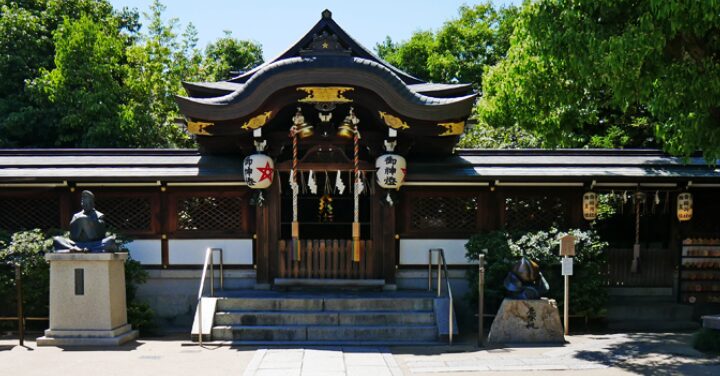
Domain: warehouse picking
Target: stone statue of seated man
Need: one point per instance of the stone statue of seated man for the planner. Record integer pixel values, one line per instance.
(87, 230)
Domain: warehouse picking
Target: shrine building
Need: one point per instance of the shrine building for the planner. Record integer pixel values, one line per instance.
(327, 167)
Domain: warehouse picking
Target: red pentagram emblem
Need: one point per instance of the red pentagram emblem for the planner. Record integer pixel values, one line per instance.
(267, 172)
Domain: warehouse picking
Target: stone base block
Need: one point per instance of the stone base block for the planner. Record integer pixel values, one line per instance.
(114, 337)
(526, 321)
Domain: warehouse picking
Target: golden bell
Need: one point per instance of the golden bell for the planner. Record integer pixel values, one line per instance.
(305, 130)
(346, 130)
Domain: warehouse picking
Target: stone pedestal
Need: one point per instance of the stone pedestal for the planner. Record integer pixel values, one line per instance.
(526, 321)
(87, 300)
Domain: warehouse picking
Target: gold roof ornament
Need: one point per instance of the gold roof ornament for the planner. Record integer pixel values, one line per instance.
(199, 127)
(325, 94)
(257, 121)
(393, 121)
(452, 129)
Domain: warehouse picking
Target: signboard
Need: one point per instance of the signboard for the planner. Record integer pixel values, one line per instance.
(567, 245)
(567, 266)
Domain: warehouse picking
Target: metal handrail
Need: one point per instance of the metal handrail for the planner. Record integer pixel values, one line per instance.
(443, 262)
(208, 262)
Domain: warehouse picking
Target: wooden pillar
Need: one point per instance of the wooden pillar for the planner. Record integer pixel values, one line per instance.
(267, 232)
(388, 241)
(163, 216)
(377, 233)
(66, 197)
(575, 206)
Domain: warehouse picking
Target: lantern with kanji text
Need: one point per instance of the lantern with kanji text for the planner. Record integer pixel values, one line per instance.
(391, 170)
(684, 206)
(259, 171)
(590, 204)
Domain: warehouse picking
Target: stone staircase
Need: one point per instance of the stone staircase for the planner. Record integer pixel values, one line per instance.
(327, 318)
(649, 310)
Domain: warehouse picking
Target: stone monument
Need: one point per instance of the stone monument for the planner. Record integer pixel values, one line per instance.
(87, 285)
(526, 317)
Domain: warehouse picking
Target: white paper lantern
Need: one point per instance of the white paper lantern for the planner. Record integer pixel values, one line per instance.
(684, 206)
(590, 204)
(259, 171)
(391, 170)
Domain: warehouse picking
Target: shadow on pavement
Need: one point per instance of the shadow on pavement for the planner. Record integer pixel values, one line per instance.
(653, 354)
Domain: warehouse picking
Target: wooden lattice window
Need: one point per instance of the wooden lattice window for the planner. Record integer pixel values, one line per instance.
(126, 214)
(534, 213)
(211, 214)
(18, 213)
(444, 214)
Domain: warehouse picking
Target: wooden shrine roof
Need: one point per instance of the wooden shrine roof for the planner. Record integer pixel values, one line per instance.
(188, 165)
(326, 71)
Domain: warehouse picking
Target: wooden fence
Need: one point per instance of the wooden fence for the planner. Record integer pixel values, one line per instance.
(656, 268)
(328, 258)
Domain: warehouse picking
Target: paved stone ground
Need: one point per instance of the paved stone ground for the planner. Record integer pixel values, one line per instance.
(589, 355)
(611, 354)
(363, 361)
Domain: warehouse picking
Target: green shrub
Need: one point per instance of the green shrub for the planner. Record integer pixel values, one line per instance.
(707, 340)
(26, 248)
(588, 293)
(139, 314)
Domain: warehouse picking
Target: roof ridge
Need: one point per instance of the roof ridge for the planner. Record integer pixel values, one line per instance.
(326, 21)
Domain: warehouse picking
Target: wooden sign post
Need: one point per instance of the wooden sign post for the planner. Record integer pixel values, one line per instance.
(567, 250)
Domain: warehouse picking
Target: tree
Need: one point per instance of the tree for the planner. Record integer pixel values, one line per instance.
(228, 54)
(460, 50)
(157, 64)
(85, 90)
(26, 47)
(77, 73)
(612, 73)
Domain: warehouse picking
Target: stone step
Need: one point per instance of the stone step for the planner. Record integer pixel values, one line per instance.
(325, 318)
(653, 325)
(649, 311)
(325, 304)
(299, 333)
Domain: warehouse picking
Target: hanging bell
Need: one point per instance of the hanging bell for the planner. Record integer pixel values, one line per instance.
(347, 128)
(302, 128)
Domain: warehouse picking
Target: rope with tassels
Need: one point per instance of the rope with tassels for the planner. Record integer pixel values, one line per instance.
(356, 218)
(294, 183)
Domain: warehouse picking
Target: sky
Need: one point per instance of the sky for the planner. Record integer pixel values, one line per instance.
(277, 24)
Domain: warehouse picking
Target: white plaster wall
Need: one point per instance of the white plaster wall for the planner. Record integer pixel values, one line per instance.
(415, 251)
(192, 251)
(147, 251)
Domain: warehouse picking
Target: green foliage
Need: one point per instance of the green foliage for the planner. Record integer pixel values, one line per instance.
(77, 73)
(612, 73)
(229, 54)
(27, 249)
(483, 136)
(85, 90)
(460, 50)
(707, 340)
(27, 47)
(141, 316)
(588, 297)
(157, 65)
